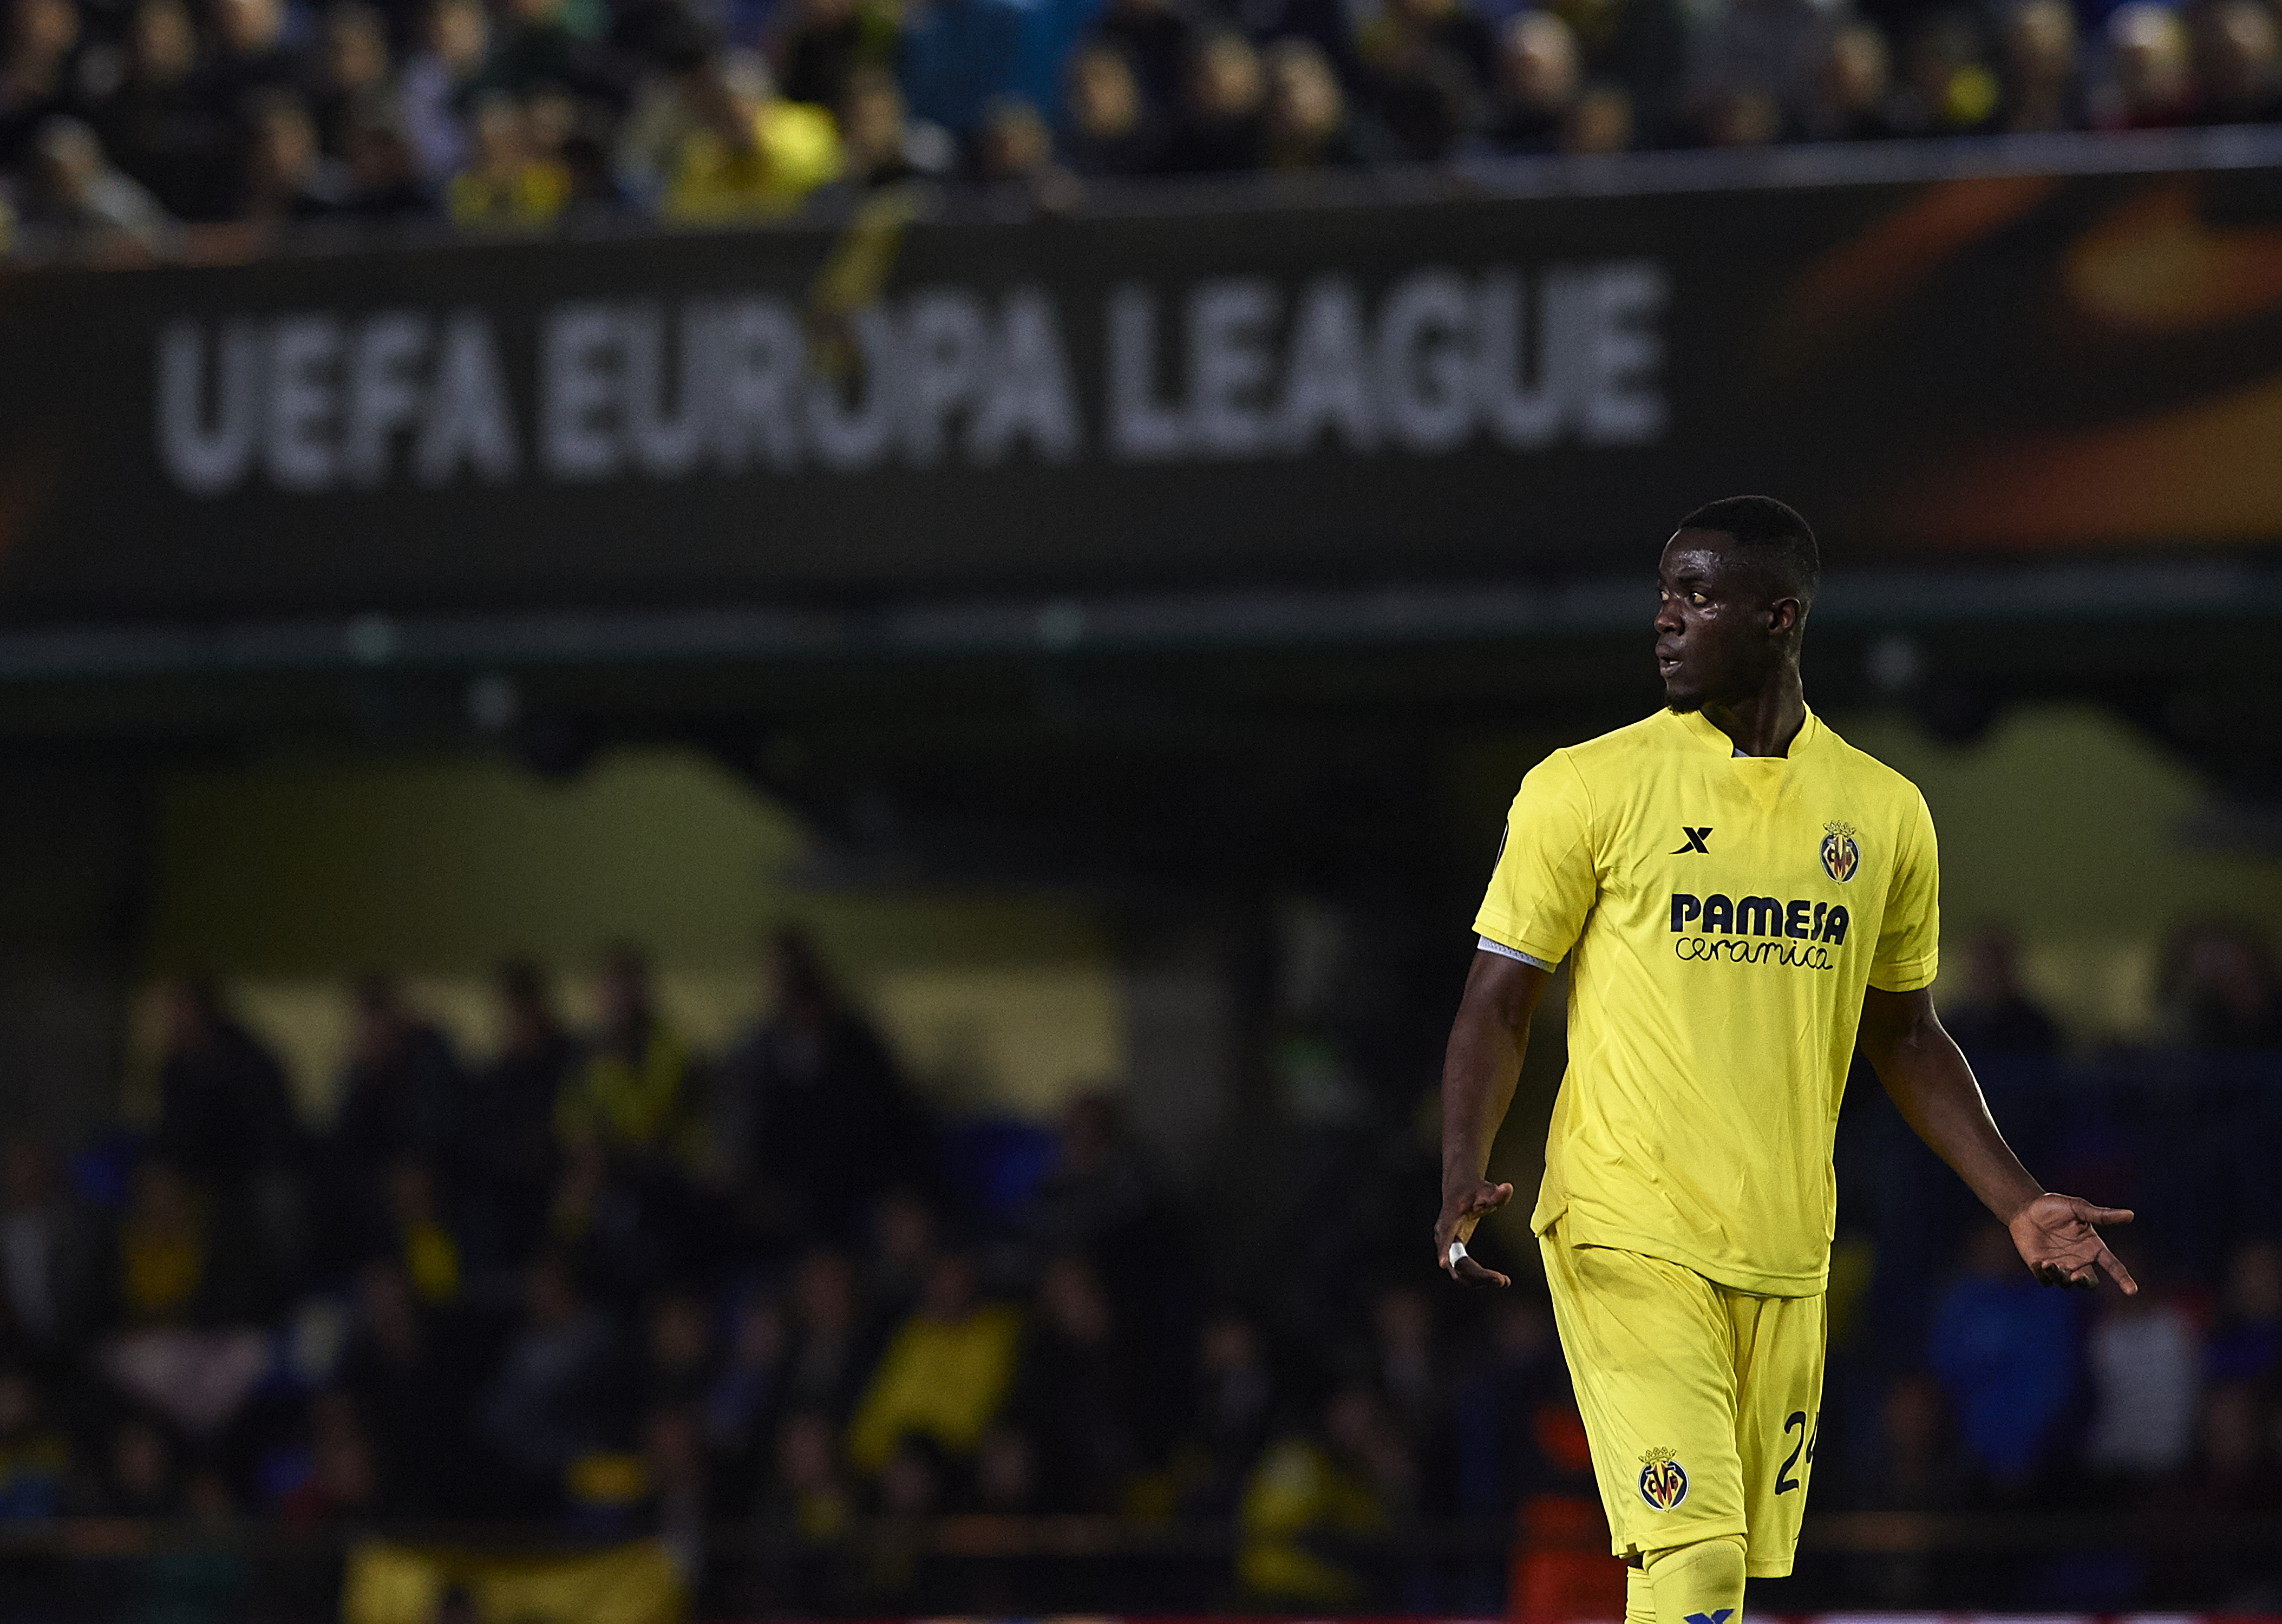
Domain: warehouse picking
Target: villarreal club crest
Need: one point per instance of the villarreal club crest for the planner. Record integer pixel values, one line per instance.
(1841, 857)
(1663, 1480)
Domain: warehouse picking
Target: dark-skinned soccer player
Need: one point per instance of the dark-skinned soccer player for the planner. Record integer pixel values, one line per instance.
(1742, 896)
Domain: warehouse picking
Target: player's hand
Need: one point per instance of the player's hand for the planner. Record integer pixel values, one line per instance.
(1461, 1210)
(2057, 1240)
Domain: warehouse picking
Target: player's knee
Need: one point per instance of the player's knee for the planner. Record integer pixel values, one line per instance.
(1700, 1583)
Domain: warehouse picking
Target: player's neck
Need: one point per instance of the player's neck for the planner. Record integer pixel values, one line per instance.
(1764, 722)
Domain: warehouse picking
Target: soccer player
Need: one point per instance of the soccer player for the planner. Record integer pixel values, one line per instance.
(1742, 897)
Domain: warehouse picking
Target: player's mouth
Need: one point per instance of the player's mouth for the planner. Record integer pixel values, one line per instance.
(1667, 664)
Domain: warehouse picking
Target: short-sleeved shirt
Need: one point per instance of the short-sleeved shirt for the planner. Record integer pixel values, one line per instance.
(1723, 915)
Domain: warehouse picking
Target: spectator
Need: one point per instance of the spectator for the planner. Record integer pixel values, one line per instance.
(1852, 78)
(402, 1364)
(957, 55)
(425, 1244)
(751, 155)
(354, 68)
(1638, 48)
(225, 1115)
(511, 1110)
(256, 53)
(1601, 123)
(2246, 1343)
(1996, 1015)
(1754, 55)
(343, 1478)
(1427, 68)
(76, 189)
(678, 1350)
(1540, 78)
(438, 83)
(1522, 1434)
(2005, 1349)
(881, 144)
(1308, 125)
(749, 1390)
(39, 77)
(1223, 126)
(551, 1399)
(1310, 1495)
(173, 1263)
(1415, 1386)
(1948, 88)
(139, 1475)
(49, 1248)
(1075, 1400)
(635, 1091)
(2150, 85)
(1231, 1413)
(402, 1086)
(288, 174)
(2217, 987)
(2043, 90)
(830, 1351)
(815, 1104)
(943, 1374)
(507, 187)
(829, 41)
(2238, 52)
(165, 129)
(536, 45)
(1157, 39)
(2145, 1367)
(36, 1455)
(1013, 145)
(1112, 130)
(807, 1493)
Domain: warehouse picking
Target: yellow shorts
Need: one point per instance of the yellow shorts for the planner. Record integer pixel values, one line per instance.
(1701, 1402)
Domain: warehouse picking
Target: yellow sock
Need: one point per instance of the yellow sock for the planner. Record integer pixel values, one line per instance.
(1640, 1598)
(1697, 1584)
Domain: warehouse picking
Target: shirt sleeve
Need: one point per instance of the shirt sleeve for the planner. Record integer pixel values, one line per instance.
(1909, 936)
(1546, 880)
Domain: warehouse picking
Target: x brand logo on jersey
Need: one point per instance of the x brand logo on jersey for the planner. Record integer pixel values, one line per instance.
(1720, 1617)
(1696, 839)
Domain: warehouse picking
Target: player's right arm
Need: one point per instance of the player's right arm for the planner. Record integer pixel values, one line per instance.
(1479, 1068)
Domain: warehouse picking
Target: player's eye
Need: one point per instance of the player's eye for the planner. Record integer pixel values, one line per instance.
(1697, 599)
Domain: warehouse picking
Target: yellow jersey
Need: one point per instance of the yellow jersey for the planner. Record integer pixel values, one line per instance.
(795, 149)
(1723, 915)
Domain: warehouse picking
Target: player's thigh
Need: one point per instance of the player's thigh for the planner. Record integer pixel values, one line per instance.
(1651, 1357)
(1779, 1344)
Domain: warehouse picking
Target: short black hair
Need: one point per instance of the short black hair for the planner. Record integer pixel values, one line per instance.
(1772, 532)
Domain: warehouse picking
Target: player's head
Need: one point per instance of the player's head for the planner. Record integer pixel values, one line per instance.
(1737, 579)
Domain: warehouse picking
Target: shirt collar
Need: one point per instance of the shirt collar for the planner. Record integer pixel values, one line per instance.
(1701, 729)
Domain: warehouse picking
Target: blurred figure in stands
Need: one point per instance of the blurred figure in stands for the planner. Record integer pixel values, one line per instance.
(400, 1098)
(1412, 1380)
(2245, 1345)
(557, 1391)
(1312, 1495)
(2217, 988)
(2145, 1360)
(406, 1368)
(813, 1100)
(353, 68)
(637, 1090)
(1113, 129)
(1075, 1399)
(438, 81)
(1232, 1411)
(507, 186)
(829, 42)
(511, 1143)
(1601, 123)
(1752, 64)
(1948, 88)
(257, 54)
(1308, 124)
(39, 72)
(49, 1252)
(1156, 38)
(1995, 1014)
(957, 55)
(1223, 125)
(2238, 64)
(751, 155)
(944, 1373)
(831, 1350)
(1014, 160)
(383, 174)
(1852, 77)
(2005, 1351)
(1427, 69)
(2042, 89)
(1636, 48)
(881, 144)
(77, 190)
(226, 1118)
(163, 125)
(35, 1453)
(2149, 82)
(1540, 78)
(288, 174)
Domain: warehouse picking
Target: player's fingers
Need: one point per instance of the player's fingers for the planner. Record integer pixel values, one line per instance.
(1471, 1273)
(2116, 1272)
(1490, 1200)
(2104, 1215)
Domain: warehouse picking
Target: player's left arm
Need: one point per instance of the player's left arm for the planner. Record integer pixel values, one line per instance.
(1926, 1075)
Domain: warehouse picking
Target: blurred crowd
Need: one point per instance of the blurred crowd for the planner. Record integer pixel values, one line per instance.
(601, 1282)
(137, 118)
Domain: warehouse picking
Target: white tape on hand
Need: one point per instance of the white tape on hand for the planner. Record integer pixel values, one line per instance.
(1457, 1251)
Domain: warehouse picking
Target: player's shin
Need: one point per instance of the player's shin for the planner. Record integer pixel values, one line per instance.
(1696, 1584)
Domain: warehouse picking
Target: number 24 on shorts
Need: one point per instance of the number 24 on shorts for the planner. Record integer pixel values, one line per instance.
(1807, 1434)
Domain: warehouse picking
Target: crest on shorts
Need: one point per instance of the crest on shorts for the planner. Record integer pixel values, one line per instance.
(1663, 1480)
(1841, 857)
